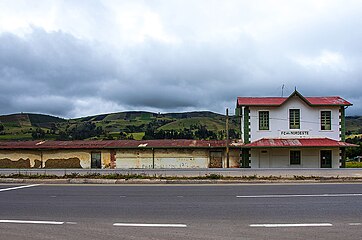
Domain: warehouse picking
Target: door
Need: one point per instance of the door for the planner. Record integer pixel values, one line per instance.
(326, 158)
(215, 159)
(264, 159)
(96, 160)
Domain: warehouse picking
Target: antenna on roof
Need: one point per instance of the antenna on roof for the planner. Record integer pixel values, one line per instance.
(282, 90)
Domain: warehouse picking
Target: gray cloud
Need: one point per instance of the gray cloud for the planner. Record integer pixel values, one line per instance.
(187, 60)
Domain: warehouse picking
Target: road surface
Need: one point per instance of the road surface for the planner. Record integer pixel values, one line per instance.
(255, 211)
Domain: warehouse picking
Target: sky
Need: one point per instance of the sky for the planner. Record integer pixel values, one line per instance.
(79, 58)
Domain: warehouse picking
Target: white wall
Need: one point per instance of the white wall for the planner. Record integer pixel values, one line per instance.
(279, 157)
(279, 121)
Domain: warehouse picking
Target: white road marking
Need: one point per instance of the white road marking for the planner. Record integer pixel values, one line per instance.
(355, 224)
(149, 225)
(292, 225)
(32, 222)
(180, 196)
(15, 188)
(304, 195)
(122, 196)
(71, 223)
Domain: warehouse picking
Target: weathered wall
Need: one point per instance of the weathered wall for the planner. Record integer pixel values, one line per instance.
(67, 158)
(106, 158)
(171, 158)
(181, 158)
(162, 158)
(234, 158)
(279, 158)
(19, 158)
(124, 158)
(134, 158)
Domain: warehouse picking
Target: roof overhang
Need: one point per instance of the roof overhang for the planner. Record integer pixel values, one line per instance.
(297, 143)
(279, 101)
(117, 144)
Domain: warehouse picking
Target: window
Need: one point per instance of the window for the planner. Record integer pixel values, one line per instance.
(325, 120)
(294, 157)
(263, 120)
(294, 118)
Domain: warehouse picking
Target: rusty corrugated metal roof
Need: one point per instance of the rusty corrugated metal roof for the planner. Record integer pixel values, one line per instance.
(99, 144)
(277, 101)
(300, 142)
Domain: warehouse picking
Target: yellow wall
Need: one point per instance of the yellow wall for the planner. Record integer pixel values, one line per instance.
(125, 158)
(16, 155)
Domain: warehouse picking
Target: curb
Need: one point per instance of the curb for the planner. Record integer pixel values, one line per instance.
(169, 181)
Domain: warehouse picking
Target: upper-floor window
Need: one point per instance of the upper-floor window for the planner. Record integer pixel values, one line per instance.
(294, 118)
(326, 120)
(263, 120)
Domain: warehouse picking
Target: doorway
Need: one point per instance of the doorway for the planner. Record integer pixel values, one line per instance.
(326, 158)
(96, 160)
(215, 159)
(264, 159)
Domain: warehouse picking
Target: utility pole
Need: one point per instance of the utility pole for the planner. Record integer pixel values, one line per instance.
(227, 138)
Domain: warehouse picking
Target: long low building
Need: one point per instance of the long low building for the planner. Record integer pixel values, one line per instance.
(120, 154)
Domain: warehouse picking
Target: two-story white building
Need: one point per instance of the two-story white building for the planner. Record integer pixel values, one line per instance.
(293, 132)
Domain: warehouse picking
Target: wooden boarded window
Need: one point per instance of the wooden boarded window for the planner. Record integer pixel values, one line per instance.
(263, 120)
(294, 118)
(326, 120)
(216, 159)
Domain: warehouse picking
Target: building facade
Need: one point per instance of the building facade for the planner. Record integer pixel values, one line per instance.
(125, 154)
(293, 132)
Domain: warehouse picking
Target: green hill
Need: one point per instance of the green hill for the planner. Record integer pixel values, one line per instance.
(127, 125)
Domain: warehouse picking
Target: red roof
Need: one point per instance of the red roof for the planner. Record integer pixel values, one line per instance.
(277, 101)
(98, 144)
(300, 142)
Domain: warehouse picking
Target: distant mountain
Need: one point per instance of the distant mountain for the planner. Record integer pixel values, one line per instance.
(29, 119)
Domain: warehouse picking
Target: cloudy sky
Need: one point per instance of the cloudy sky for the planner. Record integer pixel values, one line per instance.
(77, 58)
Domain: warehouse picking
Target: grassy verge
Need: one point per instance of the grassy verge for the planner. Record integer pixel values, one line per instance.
(160, 177)
(353, 164)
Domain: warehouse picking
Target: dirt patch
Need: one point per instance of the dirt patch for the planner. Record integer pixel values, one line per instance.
(21, 163)
(63, 163)
(37, 164)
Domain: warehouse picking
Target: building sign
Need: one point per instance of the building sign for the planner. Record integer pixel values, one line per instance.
(294, 133)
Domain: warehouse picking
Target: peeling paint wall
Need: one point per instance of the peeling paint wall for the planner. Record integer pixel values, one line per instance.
(111, 158)
(170, 158)
(106, 158)
(19, 158)
(234, 158)
(64, 155)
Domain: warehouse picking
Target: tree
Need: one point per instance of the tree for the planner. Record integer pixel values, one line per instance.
(38, 134)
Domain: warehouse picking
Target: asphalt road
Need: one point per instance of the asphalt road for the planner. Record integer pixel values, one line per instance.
(266, 211)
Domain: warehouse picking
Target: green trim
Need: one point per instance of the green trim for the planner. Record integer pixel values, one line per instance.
(246, 125)
(343, 157)
(245, 155)
(343, 124)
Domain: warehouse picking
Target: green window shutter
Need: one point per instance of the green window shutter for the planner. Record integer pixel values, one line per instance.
(263, 120)
(295, 157)
(326, 120)
(294, 118)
